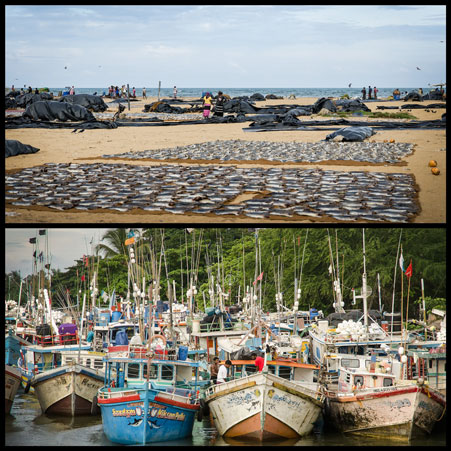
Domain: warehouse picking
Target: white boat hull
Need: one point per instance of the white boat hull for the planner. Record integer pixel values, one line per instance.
(263, 406)
(68, 390)
(12, 383)
(400, 413)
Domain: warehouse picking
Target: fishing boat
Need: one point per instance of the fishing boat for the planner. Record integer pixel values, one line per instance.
(282, 402)
(149, 400)
(45, 354)
(378, 404)
(12, 383)
(69, 389)
(13, 345)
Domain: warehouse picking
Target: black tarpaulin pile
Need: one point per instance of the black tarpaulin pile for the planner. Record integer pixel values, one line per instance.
(349, 106)
(352, 133)
(323, 103)
(53, 110)
(413, 96)
(27, 99)
(90, 102)
(13, 148)
(239, 106)
(162, 107)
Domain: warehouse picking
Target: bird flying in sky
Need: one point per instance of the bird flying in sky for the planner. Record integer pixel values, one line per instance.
(349, 85)
(418, 68)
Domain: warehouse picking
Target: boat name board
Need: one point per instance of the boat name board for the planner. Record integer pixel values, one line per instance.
(155, 411)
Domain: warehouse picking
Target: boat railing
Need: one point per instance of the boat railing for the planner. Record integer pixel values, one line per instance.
(186, 397)
(55, 340)
(115, 393)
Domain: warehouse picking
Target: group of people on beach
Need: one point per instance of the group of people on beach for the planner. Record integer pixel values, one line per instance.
(218, 106)
(371, 92)
(25, 90)
(118, 93)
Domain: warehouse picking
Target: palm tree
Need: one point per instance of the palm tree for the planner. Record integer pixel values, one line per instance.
(115, 239)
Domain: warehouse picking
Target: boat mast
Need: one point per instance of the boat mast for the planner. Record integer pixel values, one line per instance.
(364, 287)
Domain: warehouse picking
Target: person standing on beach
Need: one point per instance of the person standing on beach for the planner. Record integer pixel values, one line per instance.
(72, 91)
(134, 92)
(30, 90)
(144, 93)
(375, 93)
(219, 105)
(175, 92)
(369, 92)
(207, 105)
(364, 93)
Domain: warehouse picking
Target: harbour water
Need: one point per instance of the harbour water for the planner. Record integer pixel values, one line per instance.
(27, 426)
(236, 92)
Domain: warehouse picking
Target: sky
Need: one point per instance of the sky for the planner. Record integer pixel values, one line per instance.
(66, 245)
(231, 46)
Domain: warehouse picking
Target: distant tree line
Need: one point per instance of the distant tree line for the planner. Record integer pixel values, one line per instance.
(235, 256)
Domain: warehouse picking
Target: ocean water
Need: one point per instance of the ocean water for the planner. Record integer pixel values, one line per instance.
(236, 92)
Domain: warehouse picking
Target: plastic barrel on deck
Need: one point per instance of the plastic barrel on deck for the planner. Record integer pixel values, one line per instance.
(183, 352)
(116, 316)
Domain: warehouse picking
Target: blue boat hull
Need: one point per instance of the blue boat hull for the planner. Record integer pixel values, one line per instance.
(123, 422)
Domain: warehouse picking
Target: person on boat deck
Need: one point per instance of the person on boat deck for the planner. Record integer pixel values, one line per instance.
(259, 362)
(223, 371)
(214, 369)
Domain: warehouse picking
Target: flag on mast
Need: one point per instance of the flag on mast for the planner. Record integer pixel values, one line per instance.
(260, 277)
(401, 262)
(408, 272)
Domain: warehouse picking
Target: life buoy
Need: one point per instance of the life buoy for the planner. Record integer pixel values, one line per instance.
(162, 337)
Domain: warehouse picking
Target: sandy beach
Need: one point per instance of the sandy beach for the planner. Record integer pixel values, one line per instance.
(63, 146)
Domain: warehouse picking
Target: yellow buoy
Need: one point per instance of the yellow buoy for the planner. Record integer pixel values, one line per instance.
(392, 140)
(432, 163)
(435, 171)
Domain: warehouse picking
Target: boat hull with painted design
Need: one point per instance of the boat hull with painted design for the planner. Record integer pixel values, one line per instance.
(68, 390)
(12, 383)
(169, 416)
(400, 413)
(264, 406)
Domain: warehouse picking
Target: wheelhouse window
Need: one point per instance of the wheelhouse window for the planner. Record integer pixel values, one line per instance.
(285, 372)
(250, 369)
(271, 369)
(98, 363)
(133, 370)
(350, 363)
(387, 382)
(167, 372)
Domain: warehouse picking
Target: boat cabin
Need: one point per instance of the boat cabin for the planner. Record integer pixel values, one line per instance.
(351, 380)
(133, 372)
(285, 369)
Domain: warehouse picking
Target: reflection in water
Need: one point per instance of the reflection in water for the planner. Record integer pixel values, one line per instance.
(27, 425)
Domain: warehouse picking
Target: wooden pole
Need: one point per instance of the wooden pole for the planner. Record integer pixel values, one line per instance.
(159, 87)
(424, 309)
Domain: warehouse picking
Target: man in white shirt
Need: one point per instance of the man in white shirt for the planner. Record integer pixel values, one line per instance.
(223, 370)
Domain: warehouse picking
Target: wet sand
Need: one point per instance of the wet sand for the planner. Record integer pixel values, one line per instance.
(63, 146)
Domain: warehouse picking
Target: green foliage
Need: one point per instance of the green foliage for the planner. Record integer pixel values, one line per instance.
(229, 255)
(432, 303)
